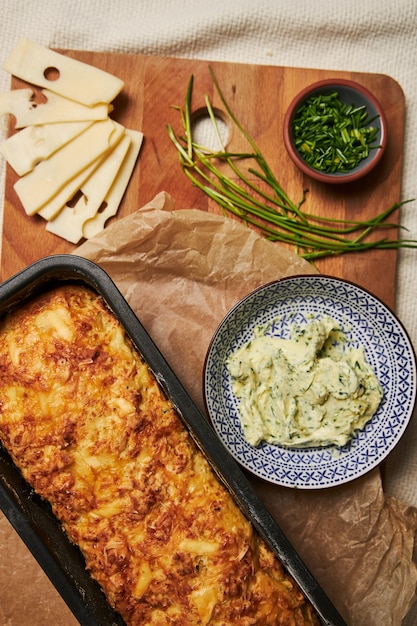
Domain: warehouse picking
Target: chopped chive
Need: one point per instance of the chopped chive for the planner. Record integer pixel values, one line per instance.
(268, 207)
(327, 122)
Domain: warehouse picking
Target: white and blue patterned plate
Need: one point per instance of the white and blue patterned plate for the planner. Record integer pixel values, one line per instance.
(367, 322)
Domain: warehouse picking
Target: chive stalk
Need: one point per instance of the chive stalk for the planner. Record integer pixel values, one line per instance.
(271, 210)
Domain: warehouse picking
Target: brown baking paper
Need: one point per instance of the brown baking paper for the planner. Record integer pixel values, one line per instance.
(181, 271)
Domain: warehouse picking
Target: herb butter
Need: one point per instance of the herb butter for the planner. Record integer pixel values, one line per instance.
(313, 389)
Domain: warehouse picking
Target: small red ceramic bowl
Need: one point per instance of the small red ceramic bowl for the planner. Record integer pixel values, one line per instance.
(346, 92)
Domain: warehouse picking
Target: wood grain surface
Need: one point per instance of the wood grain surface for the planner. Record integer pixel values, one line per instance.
(259, 97)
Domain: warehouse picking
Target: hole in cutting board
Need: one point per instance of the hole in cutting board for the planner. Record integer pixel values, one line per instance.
(204, 133)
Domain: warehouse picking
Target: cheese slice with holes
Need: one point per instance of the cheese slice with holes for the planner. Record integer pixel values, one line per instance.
(115, 194)
(70, 220)
(37, 187)
(16, 103)
(34, 144)
(76, 80)
(26, 112)
(52, 208)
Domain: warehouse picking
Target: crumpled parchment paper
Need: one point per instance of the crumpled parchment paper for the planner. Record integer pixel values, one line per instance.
(181, 271)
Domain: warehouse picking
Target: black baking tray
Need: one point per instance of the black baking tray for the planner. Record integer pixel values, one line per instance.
(33, 519)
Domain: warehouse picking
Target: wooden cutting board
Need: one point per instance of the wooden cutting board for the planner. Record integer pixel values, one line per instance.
(259, 96)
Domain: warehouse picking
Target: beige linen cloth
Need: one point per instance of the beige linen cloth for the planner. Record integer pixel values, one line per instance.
(377, 36)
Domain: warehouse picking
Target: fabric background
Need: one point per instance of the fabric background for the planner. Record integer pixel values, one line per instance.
(378, 36)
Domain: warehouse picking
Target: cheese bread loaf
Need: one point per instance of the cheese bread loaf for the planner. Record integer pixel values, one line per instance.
(89, 427)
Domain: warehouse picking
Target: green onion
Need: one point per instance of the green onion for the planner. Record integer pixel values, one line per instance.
(331, 136)
(255, 195)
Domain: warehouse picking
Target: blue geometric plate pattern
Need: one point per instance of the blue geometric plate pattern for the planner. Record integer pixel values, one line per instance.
(367, 322)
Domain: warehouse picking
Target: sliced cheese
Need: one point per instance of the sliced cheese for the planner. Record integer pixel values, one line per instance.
(69, 148)
(117, 190)
(78, 81)
(69, 222)
(52, 208)
(34, 144)
(16, 103)
(45, 181)
(26, 112)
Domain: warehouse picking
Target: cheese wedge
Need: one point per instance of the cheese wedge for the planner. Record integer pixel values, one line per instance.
(49, 177)
(78, 81)
(34, 144)
(20, 104)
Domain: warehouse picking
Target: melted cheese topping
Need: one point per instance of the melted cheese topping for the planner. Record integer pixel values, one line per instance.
(91, 430)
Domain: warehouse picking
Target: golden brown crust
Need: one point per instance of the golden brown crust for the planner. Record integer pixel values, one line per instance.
(91, 430)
